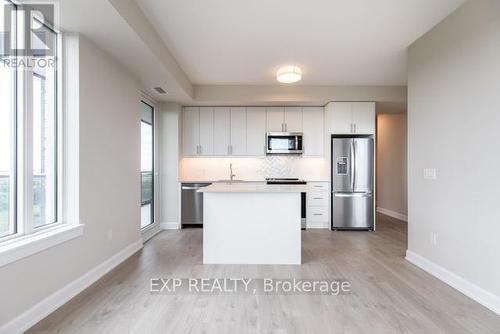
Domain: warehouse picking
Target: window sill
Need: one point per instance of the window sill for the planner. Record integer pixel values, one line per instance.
(37, 242)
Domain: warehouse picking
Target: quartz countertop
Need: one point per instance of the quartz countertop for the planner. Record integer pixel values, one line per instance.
(255, 188)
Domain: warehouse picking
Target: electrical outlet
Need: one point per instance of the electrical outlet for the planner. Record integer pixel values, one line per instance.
(110, 235)
(434, 238)
(430, 173)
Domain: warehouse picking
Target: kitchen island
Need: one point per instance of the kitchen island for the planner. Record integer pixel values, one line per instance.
(252, 223)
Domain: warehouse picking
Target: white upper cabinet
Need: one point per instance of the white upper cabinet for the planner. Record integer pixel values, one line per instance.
(351, 117)
(341, 118)
(275, 119)
(293, 119)
(206, 131)
(238, 131)
(241, 131)
(222, 130)
(312, 127)
(191, 131)
(363, 117)
(256, 131)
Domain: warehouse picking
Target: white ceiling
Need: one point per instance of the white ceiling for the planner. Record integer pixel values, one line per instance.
(336, 42)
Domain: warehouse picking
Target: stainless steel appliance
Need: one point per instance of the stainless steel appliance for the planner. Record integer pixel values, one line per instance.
(352, 183)
(302, 195)
(192, 204)
(284, 143)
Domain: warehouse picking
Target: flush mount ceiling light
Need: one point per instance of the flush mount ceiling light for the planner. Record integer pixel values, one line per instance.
(289, 74)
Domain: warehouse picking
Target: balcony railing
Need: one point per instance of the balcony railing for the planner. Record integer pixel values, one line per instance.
(4, 204)
(146, 188)
(39, 200)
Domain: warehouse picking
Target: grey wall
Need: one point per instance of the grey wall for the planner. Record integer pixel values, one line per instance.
(392, 163)
(109, 189)
(454, 126)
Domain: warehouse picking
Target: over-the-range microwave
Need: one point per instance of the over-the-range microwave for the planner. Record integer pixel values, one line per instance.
(284, 143)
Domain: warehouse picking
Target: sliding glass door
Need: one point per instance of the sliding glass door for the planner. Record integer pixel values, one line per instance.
(147, 164)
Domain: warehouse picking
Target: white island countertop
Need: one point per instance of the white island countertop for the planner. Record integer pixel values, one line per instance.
(255, 188)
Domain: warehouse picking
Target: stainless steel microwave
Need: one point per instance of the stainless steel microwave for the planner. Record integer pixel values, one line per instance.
(284, 143)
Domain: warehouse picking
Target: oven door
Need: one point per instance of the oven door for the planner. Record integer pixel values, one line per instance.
(284, 143)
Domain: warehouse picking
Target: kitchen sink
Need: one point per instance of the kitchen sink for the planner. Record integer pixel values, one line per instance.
(230, 181)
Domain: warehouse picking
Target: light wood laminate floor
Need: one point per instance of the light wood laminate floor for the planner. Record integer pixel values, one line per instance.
(389, 295)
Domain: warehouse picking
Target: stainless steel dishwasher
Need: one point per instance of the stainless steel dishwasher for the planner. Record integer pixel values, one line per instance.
(192, 204)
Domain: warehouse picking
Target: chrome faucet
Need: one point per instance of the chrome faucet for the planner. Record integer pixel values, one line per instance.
(231, 175)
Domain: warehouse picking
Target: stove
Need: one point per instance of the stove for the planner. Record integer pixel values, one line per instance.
(284, 180)
(288, 180)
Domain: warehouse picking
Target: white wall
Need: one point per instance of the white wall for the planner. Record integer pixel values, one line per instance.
(454, 126)
(170, 116)
(109, 189)
(391, 164)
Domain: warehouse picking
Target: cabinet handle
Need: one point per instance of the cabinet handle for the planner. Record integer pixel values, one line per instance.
(197, 149)
(286, 127)
(317, 214)
(355, 130)
(318, 197)
(201, 149)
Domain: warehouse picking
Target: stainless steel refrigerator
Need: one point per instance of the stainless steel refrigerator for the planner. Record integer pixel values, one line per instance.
(352, 183)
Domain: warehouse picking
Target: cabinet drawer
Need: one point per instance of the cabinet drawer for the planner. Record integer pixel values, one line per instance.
(317, 199)
(318, 186)
(317, 213)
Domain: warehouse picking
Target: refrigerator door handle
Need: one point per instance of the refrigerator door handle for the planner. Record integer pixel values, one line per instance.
(354, 145)
(352, 194)
(352, 160)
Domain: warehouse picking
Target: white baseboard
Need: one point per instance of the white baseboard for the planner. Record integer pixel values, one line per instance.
(483, 297)
(150, 232)
(393, 214)
(170, 226)
(48, 305)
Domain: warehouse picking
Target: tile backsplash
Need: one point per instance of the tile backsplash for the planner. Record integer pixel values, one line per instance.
(254, 169)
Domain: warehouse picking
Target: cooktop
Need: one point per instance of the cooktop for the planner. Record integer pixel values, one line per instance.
(284, 180)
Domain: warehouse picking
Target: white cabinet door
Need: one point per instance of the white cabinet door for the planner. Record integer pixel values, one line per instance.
(256, 131)
(238, 131)
(222, 130)
(275, 119)
(190, 131)
(363, 114)
(206, 131)
(341, 118)
(313, 126)
(293, 119)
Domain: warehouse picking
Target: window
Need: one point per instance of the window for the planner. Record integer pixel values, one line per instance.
(8, 120)
(28, 128)
(7, 150)
(147, 164)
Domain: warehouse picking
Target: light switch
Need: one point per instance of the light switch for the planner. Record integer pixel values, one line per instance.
(430, 173)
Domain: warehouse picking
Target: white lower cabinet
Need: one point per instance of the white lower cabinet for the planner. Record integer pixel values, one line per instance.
(318, 205)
